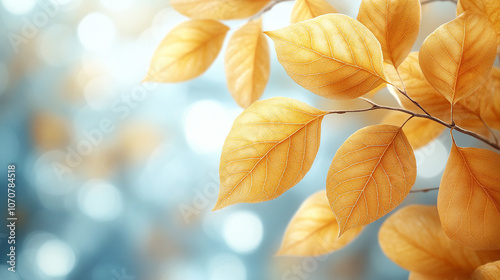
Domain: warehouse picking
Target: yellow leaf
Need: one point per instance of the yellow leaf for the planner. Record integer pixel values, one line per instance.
(490, 8)
(370, 175)
(469, 198)
(247, 63)
(187, 51)
(419, 131)
(218, 9)
(308, 9)
(269, 149)
(332, 55)
(395, 23)
(413, 238)
(313, 230)
(420, 90)
(489, 271)
(458, 56)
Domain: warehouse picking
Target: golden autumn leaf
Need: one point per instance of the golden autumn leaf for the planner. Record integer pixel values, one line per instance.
(413, 238)
(489, 271)
(395, 23)
(469, 198)
(332, 55)
(370, 175)
(419, 131)
(420, 90)
(247, 63)
(308, 9)
(269, 149)
(187, 51)
(490, 8)
(313, 230)
(457, 57)
(218, 9)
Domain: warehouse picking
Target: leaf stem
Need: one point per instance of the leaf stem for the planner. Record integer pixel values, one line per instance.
(376, 106)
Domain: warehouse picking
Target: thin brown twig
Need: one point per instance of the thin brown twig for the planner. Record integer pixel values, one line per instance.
(411, 99)
(430, 1)
(424, 190)
(376, 106)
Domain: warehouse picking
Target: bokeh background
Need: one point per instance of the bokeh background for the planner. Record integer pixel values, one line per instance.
(116, 179)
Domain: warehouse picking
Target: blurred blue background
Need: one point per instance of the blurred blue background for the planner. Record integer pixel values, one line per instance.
(116, 179)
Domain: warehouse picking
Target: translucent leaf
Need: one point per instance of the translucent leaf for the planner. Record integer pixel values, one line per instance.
(469, 198)
(458, 56)
(187, 51)
(218, 9)
(419, 131)
(490, 8)
(489, 271)
(370, 175)
(395, 23)
(269, 149)
(247, 63)
(413, 238)
(332, 55)
(308, 9)
(313, 230)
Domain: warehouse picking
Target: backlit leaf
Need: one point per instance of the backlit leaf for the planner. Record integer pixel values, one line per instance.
(395, 23)
(313, 230)
(308, 9)
(370, 175)
(458, 56)
(218, 9)
(247, 63)
(413, 238)
(469, 198)
(489, 271)
(490, 8)
(187, 51)
(269, 149)
(419, 131)
(332, 55)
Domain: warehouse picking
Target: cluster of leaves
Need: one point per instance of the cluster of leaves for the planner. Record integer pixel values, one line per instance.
(450, 83)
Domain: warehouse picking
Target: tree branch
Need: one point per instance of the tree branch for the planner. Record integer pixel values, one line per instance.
(376, 106)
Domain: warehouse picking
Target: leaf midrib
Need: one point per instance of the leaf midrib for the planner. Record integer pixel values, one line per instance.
(271, 149)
